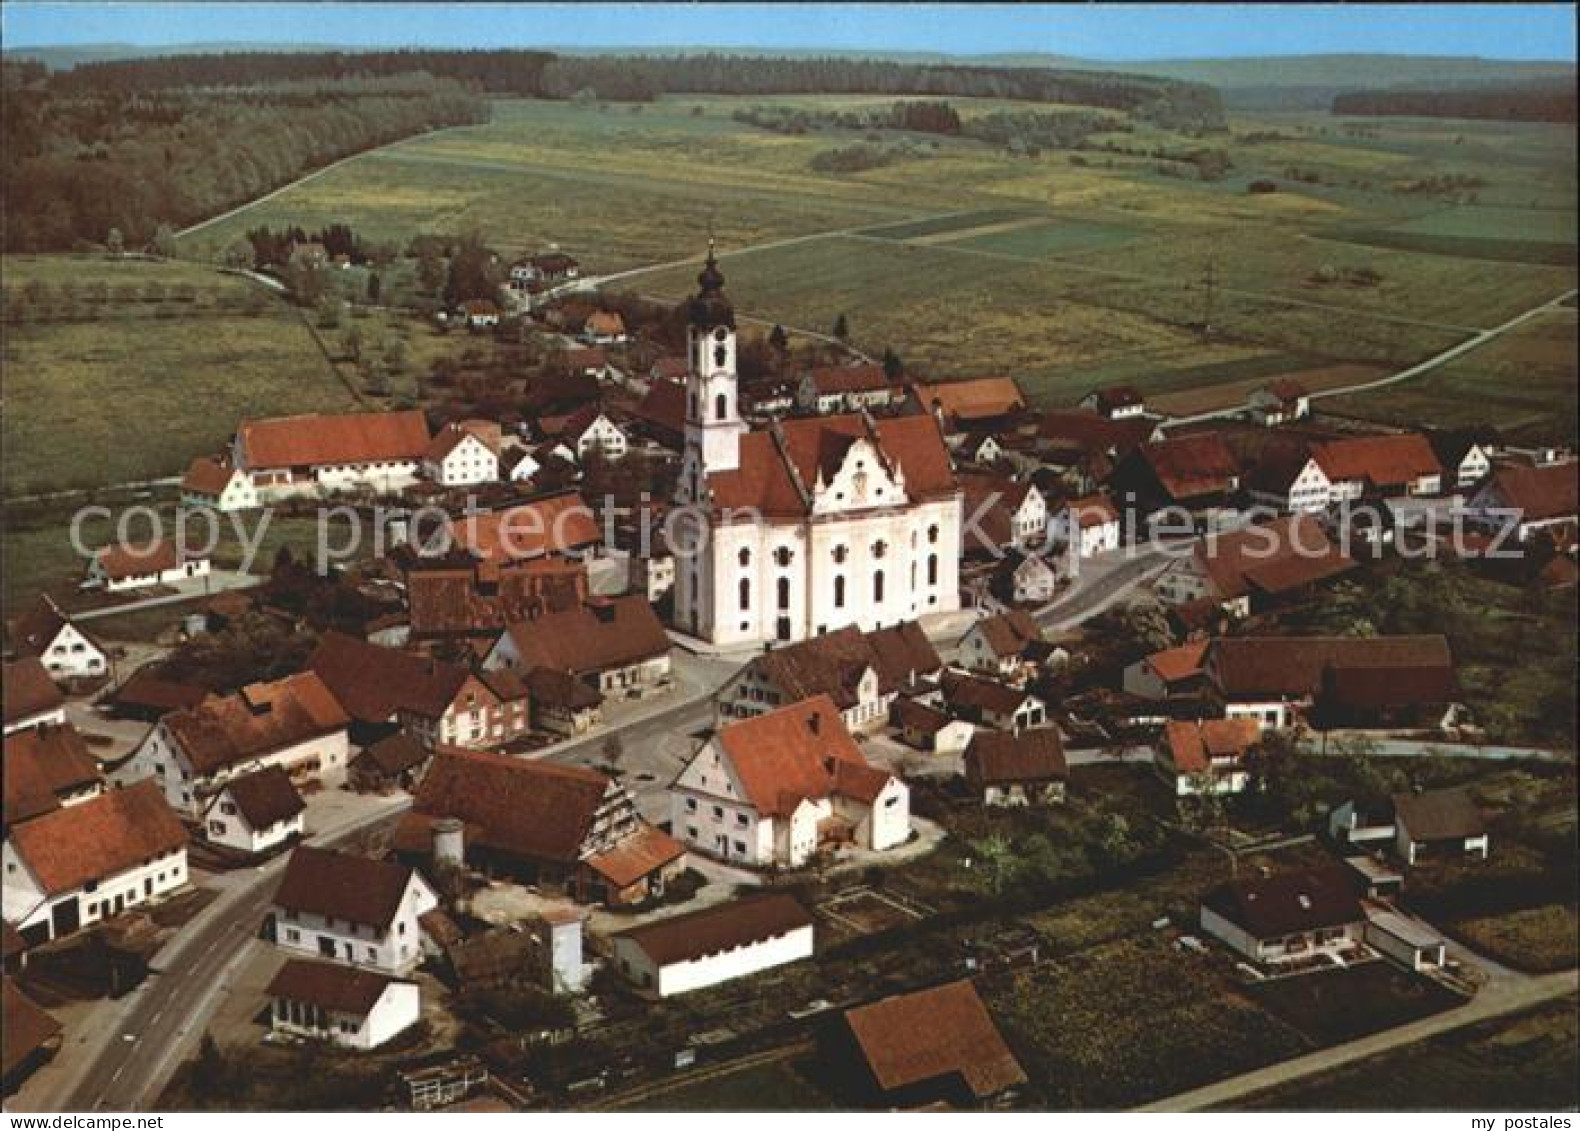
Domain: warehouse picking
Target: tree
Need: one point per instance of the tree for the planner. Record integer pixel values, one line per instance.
(473, 273)
(842, 328)
(430, 271)
(613, 752)
(893, 367)
(115, 243)
(997, 858)
(238, 253)
(375, 287)
(779, 340)
(165, 242)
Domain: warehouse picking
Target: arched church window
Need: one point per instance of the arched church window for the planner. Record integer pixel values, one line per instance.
(720, 356)
(721, 407)
(932, 569)
(879, 549)
(694, 406)
(932, 533)
(745, 557)
(841, 554)
(877, 587)
(784, 593)
(783, 556)
(746, 594)
(839, 592)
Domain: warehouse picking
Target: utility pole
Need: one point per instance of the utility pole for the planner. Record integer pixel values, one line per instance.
(1210, 287)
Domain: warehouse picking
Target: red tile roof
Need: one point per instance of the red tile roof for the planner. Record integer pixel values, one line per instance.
(1182, 662)
(832, 379)
(1192, 466)
(316, 440)
(448, 439)
(126, 560)
(258, 720)
(1193, 745)
(25, 1028)
(636, 857)
(932, 1034)
(1009, 633)
(978, 397)
(41, 766)
(832, 664)
(1381, 461)
(718, 929)
(1288, 903)
(1274, 557)
(27, 690)
(478, 600)
(1540, 493)
(1248, 666)
(373, 683)
(555, 524)
(338, 885)
(602, 634)
(98, 838)
(207, 477)
(266, 797)
(797, 753)
(537, 810)
(330, 986)
(995, 757)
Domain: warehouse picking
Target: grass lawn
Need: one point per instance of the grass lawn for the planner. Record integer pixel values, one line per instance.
(1332, 1007)
(1538, 939)
(1530, 1056)
(776, 1086)
(1523, 383)
(128, 389)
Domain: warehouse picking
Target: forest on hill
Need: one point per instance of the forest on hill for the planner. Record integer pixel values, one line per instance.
(1531, 102)
(80, 162)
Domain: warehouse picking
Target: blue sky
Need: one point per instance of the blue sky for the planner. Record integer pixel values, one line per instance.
(1536, 31)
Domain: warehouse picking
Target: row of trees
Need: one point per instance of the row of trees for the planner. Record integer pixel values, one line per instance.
(637, 78)
(1532, 103)
(75, 166)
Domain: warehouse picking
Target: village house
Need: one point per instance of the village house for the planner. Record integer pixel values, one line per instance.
(396, 761)
(990, 703)
(977, 405)
(47, 768)
(458, 457)
(1465, 456)
(861, 673)
(703, 948)
(545, 268)
(255, 813)
(480, 313)
(1083, 448)
(1438, 823)
(32, 1036)
(998, 645)
(1283, 401)
(1249, 569)
(558, 525)
(355, 1009)
(563, 704)
(1530, 501)
(125, 566)
(1001, 513)
(350, 909)
(1007, 770)
(590, 361)
(1208, 756)
(68, 652)
(660, 416)
(1116, 402)
(927, 728)
(30, 696)
(1024, 578)
(458, 597)
(295, 723)
(931, 1046)
(84, 863)
(774, 790)
(517, 464)
(1283, 680)
(560, 827)
(318, 454)
(1172, 673)
(435, 702)
(1086, 526)
(588, 432)
(847, 388)
(217, 486)
(1194, 474)
(604, 328)
(1295, 917)
(616, 645)
(807, 525)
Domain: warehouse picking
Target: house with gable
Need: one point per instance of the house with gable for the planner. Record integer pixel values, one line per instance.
(47, 768)
(350, 909)
(29, 694)
(458, 457)
(219, 486)
(318, 454)
(998, 645)
(67, 650)
(774, 790)
(255, 813)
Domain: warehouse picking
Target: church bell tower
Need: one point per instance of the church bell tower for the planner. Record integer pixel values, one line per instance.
(713, 415)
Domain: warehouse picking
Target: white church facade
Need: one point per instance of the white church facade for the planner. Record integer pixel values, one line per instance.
(807, 525)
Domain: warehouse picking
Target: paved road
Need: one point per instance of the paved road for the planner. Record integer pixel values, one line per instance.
(1496, 999)
(1475, 341)
(161, 1022)
(1091, 597)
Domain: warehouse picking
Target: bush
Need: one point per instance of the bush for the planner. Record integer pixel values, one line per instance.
(1261, 187)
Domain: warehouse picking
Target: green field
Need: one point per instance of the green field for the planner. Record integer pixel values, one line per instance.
(966, 259)
(123, 388)
(1523, 383)
(1530, 1055)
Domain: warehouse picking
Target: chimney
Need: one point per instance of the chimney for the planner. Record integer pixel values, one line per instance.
(449, 843)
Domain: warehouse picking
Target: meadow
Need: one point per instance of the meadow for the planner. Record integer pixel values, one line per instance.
(132, 383)
(1061, 269)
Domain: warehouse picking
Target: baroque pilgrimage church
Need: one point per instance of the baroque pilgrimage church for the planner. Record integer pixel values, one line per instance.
(811, 524)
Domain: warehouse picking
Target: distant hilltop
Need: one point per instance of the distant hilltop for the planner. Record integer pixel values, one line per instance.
(1249, 82)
